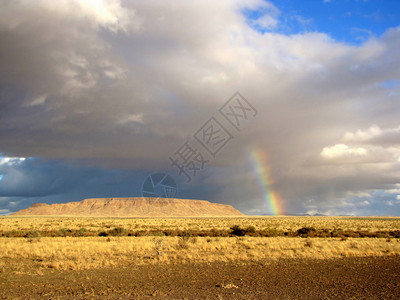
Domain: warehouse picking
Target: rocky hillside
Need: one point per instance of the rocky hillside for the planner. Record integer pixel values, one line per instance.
(132, 207)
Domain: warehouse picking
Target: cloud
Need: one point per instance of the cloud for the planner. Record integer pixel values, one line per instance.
(265, 22)
(106, 14)
(375, 135)
(56, 181)
(340, 150)
(11, 161)
(360, 135)
(40, 100)
(121, 85)
(133, 118)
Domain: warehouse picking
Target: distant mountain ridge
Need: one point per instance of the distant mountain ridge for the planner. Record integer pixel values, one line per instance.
(132, 207)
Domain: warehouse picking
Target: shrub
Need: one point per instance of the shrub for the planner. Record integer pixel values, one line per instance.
(268, 232)
(156, 233)
(395, 233)
(139, 233)
(14, 233)
(381, 234)
(306, 231)
(236, 230)
(81, 232)
(353, 234)
(64, 232)
(251, 229)
(118, 231)
(324, 233)
(185, 235)
(32, 234)
(170, 232)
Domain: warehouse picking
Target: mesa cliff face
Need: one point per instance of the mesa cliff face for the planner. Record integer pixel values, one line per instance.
(132, 207)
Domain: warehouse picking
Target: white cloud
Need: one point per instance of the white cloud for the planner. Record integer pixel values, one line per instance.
(340, 150)
(265, 22)
(9, 161)
(361, 135)
(375, 134)
(98, 13)
(374, 145)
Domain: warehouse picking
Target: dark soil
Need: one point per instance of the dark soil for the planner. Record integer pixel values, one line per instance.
(346, 278)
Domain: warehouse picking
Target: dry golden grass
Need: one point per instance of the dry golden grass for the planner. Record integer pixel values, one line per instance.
(94, 252)
(283, 223)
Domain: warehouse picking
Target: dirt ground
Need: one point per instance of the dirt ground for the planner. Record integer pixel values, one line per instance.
(346, 278)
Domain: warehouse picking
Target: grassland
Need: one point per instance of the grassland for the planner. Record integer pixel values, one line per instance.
(85, 243)
(278, 224)
(93, 252)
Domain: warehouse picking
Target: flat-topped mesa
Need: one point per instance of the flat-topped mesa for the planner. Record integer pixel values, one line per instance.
(132, 207)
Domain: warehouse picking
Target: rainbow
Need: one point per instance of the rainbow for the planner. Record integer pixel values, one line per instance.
(272, 201)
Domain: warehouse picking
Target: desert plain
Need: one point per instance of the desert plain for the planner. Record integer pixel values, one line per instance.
(235, 257)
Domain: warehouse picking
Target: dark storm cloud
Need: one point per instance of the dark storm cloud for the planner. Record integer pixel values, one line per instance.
(123, 84)
(54, 181)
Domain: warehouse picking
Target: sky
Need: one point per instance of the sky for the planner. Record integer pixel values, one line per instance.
(270, 106)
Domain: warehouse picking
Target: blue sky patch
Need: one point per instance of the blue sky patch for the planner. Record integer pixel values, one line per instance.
(388, 84)
(347, 21)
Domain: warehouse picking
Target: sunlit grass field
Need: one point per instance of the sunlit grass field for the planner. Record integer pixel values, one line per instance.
(284, 223)
(94, 252)
(84, 243)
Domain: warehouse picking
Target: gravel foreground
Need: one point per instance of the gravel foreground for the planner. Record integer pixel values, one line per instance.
(345, 278)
